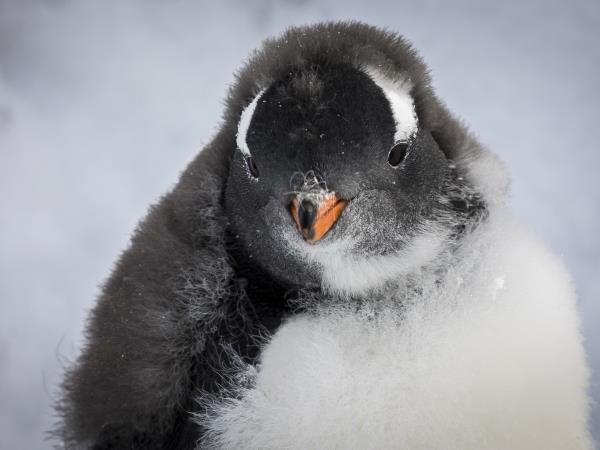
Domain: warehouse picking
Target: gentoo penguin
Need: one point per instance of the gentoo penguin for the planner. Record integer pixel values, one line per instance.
(336, 269)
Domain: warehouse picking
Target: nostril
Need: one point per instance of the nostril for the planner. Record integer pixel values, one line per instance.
(307, 212)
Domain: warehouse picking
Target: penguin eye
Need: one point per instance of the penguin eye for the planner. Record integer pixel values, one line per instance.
(252, 166)
(397, 153)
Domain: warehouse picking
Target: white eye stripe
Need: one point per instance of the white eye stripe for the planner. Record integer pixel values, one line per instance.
(396, 92)
(244, 124)
(401, 102)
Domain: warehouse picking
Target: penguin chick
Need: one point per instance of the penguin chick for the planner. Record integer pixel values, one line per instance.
(335, 270)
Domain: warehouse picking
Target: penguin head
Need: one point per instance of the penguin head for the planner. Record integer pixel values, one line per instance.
(336, 181)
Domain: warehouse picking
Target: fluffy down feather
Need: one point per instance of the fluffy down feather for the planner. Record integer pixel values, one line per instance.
(487, 356)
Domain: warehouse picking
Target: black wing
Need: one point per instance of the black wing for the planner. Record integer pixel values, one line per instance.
(164, 308)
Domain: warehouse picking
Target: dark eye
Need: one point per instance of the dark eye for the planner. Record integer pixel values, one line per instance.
(252, 166)
(397, 153)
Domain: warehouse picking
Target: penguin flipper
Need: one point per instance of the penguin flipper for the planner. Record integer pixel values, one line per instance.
(147, 335)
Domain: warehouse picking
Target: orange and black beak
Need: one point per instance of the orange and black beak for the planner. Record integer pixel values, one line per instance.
(314, 218)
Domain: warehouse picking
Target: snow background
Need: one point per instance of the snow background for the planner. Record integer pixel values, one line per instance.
(102, 104)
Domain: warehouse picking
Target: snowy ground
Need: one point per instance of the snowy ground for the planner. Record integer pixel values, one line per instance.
(103, 103)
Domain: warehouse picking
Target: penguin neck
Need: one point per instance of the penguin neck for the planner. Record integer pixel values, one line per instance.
(418, 282)
(269, 298)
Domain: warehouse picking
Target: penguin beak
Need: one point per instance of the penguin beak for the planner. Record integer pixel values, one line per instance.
(314, 216)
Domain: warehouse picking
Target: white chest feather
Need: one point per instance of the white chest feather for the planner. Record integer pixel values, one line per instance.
(492, 360)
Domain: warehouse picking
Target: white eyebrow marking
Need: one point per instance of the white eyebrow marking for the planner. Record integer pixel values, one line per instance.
(397, 93)
(244, 124)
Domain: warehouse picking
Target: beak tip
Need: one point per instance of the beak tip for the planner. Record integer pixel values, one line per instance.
(322, 218)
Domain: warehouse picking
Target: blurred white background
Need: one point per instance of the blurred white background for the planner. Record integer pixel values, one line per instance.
(102, 104)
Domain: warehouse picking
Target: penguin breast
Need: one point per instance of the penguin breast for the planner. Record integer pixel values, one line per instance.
(462, 365)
